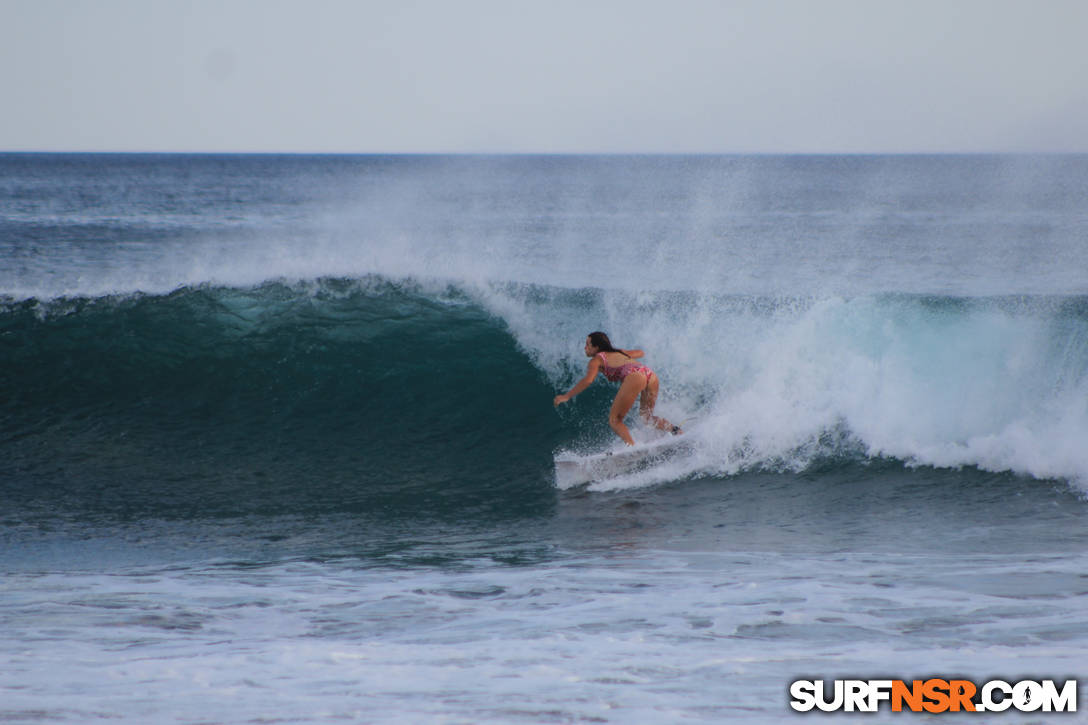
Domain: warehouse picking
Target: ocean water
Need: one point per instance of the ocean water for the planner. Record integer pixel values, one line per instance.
(277, 441)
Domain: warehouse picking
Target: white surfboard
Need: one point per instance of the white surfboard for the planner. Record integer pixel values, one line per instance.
(572, 469)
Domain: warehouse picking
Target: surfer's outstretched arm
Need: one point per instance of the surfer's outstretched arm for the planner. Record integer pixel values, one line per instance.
(591, 374)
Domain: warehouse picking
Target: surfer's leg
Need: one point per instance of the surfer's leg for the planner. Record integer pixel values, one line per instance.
(621, 406)
(646, 408)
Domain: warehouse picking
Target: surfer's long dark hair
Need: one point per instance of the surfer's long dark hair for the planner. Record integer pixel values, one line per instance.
(600, 341)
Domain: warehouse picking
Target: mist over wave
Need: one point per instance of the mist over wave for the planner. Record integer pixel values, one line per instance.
(86, 225)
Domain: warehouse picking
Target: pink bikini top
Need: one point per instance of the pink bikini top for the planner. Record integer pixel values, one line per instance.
(618, 374)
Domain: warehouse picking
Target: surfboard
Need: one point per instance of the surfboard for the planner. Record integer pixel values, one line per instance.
(572, 469)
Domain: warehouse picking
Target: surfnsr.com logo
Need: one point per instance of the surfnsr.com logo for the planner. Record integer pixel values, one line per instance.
(933, 695)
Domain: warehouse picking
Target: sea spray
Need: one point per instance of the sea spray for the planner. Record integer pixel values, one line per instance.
(997, 383)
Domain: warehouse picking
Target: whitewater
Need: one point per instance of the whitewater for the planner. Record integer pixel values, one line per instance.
(277, 436)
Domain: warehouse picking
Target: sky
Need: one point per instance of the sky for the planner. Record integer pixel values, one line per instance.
(548, 76)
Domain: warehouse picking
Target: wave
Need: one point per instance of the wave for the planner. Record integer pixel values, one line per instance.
(360, 394)
(373, 393)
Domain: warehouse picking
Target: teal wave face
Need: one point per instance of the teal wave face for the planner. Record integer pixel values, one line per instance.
(216, 402)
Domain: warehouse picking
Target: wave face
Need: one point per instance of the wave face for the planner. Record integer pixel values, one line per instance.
(350, 395)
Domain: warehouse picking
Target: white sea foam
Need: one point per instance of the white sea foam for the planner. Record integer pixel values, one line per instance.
(937, 382)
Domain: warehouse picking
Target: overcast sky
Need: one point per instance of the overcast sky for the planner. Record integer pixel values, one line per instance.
(544, 76)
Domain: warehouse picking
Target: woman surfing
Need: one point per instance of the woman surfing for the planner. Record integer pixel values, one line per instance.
(636, 381)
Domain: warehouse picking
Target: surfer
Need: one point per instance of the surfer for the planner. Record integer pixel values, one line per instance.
(636, 381)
